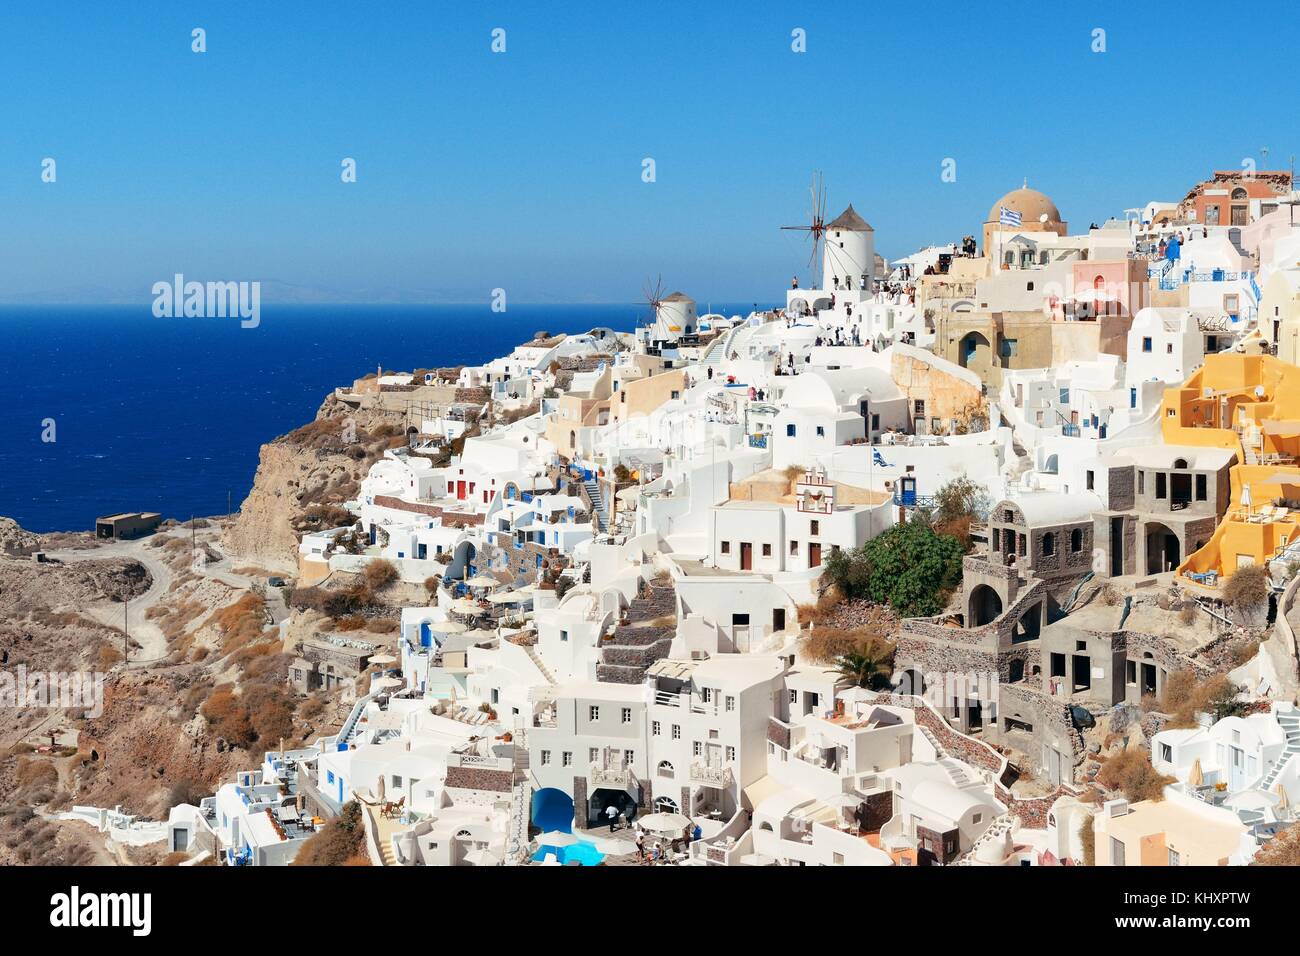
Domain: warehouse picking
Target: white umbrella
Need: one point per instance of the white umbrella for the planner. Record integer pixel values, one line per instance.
(448, 627)
(464, 606)
(482, 858)
(482, 581)
(507, 597)
(556, 838)
(668, 823)
(382, 682)
(383, 659)
(1245, 498)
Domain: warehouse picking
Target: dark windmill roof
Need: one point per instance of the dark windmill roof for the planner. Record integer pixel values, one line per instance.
(677, 297)
(850, 221)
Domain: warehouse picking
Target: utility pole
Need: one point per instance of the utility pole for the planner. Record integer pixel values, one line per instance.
(126, 629)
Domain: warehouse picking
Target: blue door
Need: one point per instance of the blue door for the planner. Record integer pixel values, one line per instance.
(426, 635)
(340, 779)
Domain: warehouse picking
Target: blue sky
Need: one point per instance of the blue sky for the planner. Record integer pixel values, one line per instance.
(522, 170)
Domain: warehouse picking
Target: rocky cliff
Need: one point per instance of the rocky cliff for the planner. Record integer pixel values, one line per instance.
(303, 478)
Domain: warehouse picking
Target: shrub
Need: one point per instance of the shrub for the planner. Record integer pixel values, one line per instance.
(379, 574)
(1130, 772)
(341, 842)
(909, 567)
(1247, 588)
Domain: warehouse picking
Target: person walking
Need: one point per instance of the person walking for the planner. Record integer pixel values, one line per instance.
(611, 814)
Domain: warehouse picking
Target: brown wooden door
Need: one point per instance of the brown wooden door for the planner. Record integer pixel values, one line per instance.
(746, 556)
(814, 555)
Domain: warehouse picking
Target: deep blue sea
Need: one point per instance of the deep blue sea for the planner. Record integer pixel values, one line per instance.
(168, 414)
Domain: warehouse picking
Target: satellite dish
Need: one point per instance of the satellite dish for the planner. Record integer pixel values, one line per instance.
(1043, 218)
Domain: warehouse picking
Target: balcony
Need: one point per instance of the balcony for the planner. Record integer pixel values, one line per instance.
(617, 778)
(704, 775)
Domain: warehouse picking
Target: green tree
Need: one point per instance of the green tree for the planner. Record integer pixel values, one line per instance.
(910, 567)
(868, 666)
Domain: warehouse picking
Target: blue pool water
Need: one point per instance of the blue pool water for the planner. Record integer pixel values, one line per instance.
(584, 852)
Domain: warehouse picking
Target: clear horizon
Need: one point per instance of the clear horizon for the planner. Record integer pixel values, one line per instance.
(523, 170)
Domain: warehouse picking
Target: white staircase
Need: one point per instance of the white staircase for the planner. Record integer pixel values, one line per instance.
(1290, 723)
(521, 799)
(537, 659)
(956, 772)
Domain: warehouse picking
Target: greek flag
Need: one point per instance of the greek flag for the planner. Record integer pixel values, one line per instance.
(1008, 218)
(877, 460)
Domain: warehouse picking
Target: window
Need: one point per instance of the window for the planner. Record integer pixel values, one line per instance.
(1142, 482)
(731, 703)
(794, 697)
(918, 408)
(1010, 348)
(814, 527)
(1076, 540)
(593, 754)
(821, 432)
(767, 550)
(789, 431)
(1169, 348)
(1116, 852)
(1167, 753)
(794, 547)
(677, 731)
(1131, 672)
(546, 757)
(676, 394)
(1090, 481)
(1161, 481)
(564, 636)
(593, 713)
(697, 748)
(566, 758)
(1200, 488)
(726, 547)
(629, 757)
(656, 729)
(1146, 343)
(706, 694)
(627, 715)
(1173, 857)
(1049, 544)
(731, 753)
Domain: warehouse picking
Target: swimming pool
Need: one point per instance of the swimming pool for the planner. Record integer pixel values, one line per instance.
(582, 851)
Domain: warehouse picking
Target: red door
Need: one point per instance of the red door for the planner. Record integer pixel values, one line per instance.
(460, 490)
(746, 556)
(814, 555)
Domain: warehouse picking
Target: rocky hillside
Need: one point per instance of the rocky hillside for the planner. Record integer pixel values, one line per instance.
(303, 477)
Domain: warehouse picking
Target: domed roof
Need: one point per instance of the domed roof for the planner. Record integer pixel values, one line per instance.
(1030, 203)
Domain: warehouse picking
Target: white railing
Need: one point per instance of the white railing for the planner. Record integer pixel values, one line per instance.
(710, 776)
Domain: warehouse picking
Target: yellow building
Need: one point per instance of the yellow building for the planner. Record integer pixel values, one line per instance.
(1279, 313)
(1250, 404)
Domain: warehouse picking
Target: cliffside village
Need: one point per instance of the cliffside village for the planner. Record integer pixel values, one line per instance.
(628, 542)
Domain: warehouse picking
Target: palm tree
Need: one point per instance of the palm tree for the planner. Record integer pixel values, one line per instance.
(866, 665)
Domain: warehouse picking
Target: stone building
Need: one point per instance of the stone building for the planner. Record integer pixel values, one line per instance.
(1164, 502)
(1045, 534)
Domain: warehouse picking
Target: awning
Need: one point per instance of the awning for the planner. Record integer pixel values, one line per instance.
(758, 791)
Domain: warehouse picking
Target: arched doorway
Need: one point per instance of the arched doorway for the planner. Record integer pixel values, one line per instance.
(974, 350)
(552, 809)
(1163, 550)
(602, 798)
(665, 805)
(985, 606)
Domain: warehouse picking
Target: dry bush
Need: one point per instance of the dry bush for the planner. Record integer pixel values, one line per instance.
(1088, 838)
(353, 622)
(382, 625)
(817, 613)
(338, 843)
(241, 622)
(227, 717)
(431, 584)
(1130, 772)
(1247, 588)
(1187, 616)
(825, 645)
(1109, 595)
(1282, 850)
(1185, 695)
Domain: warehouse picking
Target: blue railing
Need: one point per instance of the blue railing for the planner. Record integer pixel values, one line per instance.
(758, 441)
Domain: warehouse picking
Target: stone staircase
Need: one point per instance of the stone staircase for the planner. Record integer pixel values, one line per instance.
(521, 800)
(956, 772)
